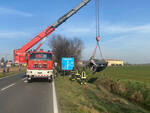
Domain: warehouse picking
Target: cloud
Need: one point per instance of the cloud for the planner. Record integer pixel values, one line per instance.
(127, 35)
(121, 29)
(75, 29)
(116, 30)
(9, 11)
(127, 42)
(13, 34)
(78, 30)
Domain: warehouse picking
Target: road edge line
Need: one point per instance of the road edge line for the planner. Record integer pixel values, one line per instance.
(55, 103)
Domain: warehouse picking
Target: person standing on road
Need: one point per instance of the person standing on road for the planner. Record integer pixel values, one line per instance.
(19, 67)
(4, 67)
(8, 68)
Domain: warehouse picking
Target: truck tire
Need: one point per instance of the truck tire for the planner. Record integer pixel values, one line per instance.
(50, 79)
(29, 80)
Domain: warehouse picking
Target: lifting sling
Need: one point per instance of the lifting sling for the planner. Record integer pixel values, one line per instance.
(95, 64)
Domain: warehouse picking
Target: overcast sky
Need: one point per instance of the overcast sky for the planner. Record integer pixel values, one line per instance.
(124, 26)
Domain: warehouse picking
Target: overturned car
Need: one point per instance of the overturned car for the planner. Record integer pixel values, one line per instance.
(97, 65)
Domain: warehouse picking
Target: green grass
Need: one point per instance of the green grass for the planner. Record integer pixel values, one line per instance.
(114, 90)
(138, 73)
(12, 72)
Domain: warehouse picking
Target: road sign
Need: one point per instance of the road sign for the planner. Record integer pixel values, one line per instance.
(67, 63)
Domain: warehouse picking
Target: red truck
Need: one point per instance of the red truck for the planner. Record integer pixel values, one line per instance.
(40, 63)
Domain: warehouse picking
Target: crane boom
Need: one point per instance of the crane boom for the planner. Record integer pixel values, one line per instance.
(19, 54)
(70, 13)
(65, 17)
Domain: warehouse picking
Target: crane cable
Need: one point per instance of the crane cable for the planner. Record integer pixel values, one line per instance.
(97, 17)
(97, 8)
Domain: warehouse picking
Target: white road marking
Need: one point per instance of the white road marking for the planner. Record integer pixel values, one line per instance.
(25, 81)
(24, 78)
(55, 104)
(7, 87)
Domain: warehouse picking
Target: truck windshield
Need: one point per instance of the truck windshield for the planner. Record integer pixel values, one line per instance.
(41, 56)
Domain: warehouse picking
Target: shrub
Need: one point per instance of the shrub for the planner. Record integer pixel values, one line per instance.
(133, 90)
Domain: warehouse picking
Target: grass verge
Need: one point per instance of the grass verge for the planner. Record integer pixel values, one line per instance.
(13, 71)
(104, 94)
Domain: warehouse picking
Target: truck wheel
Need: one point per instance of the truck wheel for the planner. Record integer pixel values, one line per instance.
(29, 80)
(50, 79)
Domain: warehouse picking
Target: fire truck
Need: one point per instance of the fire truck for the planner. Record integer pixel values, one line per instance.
(39, 62)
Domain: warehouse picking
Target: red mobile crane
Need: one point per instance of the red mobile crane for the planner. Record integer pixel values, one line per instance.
(40, 63)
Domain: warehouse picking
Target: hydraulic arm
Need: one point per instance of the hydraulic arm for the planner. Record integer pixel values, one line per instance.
(20, 54)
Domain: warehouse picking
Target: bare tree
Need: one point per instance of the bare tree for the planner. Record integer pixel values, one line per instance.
(2, 59)
(64, 47)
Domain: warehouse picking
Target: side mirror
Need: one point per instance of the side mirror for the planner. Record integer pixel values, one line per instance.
(26, 57)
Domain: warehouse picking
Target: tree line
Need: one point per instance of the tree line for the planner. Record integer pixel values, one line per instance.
(65, 47)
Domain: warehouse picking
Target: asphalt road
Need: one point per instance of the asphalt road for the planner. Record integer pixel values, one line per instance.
(18, 96)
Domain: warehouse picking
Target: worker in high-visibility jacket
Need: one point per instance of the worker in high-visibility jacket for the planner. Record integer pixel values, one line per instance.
(77, 75)
(83, 78)
(73, 77)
